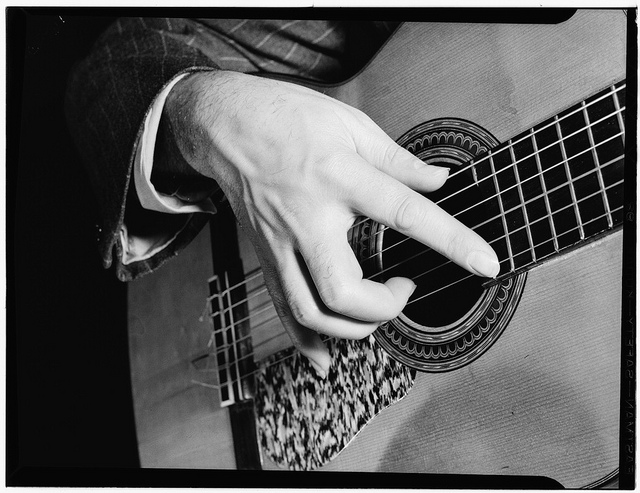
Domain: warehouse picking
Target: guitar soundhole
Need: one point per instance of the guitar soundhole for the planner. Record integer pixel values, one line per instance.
(444, 292)
(452, 317)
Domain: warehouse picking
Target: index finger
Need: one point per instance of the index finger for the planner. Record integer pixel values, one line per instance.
(386, 200)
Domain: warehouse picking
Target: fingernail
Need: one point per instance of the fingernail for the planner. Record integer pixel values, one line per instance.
(483, 264)
(435, 171)
(442, 172)
(321, 373)
(413, 289)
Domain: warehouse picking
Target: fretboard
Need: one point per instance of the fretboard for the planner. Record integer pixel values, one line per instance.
(557, 184)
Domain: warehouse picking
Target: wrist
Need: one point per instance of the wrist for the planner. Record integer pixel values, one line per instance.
(173, 172)
(188, 115)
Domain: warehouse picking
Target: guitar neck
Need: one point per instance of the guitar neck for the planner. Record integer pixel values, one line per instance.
(556, 185)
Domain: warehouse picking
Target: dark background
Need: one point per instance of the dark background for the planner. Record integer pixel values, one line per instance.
(69, 408)
(68, 391)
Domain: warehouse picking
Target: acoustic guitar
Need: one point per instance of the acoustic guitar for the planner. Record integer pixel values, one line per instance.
(514, 376)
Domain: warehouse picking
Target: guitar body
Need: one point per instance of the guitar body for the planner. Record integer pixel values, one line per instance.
(544, 398)
(179, 421)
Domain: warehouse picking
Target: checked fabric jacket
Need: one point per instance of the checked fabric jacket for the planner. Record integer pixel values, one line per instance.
(110, 92)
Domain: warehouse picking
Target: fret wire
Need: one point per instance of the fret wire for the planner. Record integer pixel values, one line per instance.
(209, 305)
(330, 338)
(544, 191)
(237, 353)
(254, 274)
(601, 216)
(208, 385)
(500, 205)
(616, 102)
(228, 383)
(572, 189)
(521, 194)
(532, 132)
(256, 312)
(232, 328)
(253, 294)
(535, 154)
(596, 160)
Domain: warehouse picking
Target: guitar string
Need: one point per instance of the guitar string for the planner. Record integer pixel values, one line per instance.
(530, 265)
(523, 227)
(515, 186)
(258, 311)
(266, 306)
(519, 206)
(428, 294)
(234, 381)
(511, 143)
(498, 194)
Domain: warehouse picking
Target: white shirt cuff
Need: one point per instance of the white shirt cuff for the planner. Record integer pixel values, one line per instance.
(149, 197)
(137, 248)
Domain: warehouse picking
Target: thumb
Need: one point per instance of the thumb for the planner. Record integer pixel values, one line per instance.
(308, 342)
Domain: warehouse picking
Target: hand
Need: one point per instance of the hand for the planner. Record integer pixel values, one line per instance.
(297, 168)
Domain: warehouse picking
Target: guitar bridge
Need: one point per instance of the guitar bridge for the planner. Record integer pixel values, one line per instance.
(230, 338)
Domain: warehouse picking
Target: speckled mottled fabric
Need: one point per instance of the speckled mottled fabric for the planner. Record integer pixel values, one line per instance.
(305, 421)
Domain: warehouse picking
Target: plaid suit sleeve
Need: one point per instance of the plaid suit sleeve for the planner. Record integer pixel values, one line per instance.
(108, 95)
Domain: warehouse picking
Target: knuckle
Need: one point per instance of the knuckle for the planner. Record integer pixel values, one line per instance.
(305, 314)
(360, 115)
(391, 153)
(407, 214)
(367, 121)
(336, 297)
(454, 244)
